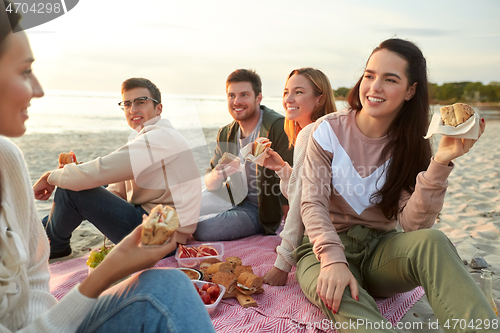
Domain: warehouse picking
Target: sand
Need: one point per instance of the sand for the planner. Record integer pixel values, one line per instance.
(470, 216)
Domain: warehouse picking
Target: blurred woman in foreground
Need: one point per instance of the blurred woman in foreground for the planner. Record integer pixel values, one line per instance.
(152, 301)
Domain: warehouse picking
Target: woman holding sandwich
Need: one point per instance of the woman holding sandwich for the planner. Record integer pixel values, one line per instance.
(307, 96)
(152, 301)
(367, 174)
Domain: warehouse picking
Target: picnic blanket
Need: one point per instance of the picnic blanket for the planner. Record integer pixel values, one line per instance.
(280, 309)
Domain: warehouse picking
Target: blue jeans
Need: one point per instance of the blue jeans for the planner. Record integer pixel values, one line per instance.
(156, 300)
(112, 215)
(238, 222)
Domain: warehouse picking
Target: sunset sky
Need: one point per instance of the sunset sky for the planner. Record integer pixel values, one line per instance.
(189, 47)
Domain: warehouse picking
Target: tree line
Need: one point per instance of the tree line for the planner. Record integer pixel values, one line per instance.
(452, 92)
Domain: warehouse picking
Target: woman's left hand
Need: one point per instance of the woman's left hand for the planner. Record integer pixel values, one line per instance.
(451, 148)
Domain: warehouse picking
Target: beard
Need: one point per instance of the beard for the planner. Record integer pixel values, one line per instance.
(250, 112)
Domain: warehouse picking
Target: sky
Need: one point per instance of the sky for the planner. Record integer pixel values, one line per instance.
(190, 47)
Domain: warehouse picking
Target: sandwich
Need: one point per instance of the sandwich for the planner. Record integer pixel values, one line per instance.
(249, 282)
(207, 263)
(228, 280)
(227, 158)
(67, 158)
(260, 145)
(456, 114)
(242, 268)
(161, 223)
(235, 261)
(220, 267)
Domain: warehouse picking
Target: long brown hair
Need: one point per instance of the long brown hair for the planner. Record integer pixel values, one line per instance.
(410, 152)
(321, 86)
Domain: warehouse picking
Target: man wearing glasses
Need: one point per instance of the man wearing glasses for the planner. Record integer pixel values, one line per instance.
(155, 167)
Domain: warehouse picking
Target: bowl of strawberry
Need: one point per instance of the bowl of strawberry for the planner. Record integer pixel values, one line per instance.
(210, 293)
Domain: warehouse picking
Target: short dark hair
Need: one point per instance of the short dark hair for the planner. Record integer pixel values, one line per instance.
(246, 75)
(5, 18)
(139, 82)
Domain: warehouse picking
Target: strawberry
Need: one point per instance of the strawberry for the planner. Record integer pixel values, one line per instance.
(214, 291)
(205, 297)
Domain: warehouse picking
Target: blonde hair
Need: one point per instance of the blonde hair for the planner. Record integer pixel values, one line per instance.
(321, 86)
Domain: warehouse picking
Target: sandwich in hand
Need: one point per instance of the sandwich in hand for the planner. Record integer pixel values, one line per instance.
(227, 158)
(456, 114)
(161, 223)
(67, 158)
(260, 145)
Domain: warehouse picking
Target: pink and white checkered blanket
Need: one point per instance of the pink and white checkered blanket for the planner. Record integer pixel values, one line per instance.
(280, 309)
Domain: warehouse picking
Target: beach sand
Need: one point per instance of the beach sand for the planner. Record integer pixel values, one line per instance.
(470, 216)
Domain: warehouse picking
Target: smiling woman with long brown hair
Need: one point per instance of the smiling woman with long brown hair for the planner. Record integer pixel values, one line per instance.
(367, 171)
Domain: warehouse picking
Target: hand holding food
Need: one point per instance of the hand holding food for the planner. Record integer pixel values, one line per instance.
(260, 145)
(273, 161)
(66, 158)
(228, 165)
(127, 257)
(161, 223)
(229, 159)
(256, 151)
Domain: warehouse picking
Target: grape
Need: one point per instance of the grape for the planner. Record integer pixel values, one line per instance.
(97, 256)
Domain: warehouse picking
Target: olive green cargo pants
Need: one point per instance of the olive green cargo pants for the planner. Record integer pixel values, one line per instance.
(385, 264)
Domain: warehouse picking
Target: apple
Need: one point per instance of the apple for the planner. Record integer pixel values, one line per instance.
(206, 286)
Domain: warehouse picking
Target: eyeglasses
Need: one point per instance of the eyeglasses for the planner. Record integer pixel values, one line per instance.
(139, 103)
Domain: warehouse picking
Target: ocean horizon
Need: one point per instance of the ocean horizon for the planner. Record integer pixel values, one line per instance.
(88, 111)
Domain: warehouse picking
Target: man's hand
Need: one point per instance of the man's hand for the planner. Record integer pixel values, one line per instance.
(215, 178)
(226, 170)
(42, 189)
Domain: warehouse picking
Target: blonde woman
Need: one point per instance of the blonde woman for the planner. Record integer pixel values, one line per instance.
(307, 96)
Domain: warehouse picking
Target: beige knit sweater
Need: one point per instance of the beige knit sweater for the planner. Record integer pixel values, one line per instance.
(31, 307)
(290, 185)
